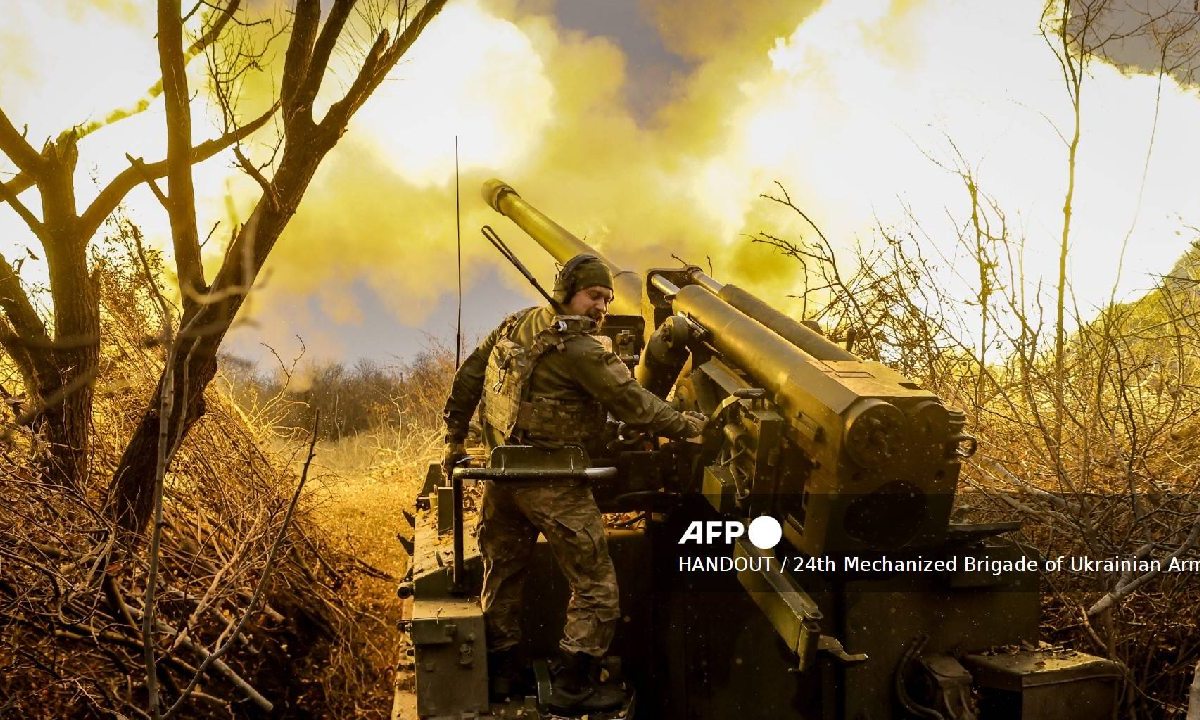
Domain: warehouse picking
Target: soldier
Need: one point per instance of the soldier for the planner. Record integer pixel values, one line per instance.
(546, 381)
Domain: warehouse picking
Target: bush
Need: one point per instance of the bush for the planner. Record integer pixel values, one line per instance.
(361, 398)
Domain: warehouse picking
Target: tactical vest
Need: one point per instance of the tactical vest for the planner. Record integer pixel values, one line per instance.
(507, 405)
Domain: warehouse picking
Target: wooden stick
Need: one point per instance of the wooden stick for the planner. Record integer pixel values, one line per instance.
(1194, 696)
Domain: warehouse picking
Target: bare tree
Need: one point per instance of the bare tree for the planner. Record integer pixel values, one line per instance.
(59, 361)
(58, 364)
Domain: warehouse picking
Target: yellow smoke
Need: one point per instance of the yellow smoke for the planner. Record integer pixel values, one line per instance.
(862, 99)
(857, 108)
(72, 64)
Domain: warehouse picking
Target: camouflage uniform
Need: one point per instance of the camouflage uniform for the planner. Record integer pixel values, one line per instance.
(567, 515)
(571, 382)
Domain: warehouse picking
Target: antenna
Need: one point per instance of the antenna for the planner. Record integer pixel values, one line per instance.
(458, 336)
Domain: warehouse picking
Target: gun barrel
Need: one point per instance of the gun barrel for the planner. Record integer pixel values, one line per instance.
(807, 340)
(787, 328)
(561, 243)
(784, 369)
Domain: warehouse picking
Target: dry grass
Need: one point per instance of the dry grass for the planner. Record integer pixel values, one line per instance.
(361, 487)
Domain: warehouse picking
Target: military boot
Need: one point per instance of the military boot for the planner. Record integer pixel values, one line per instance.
(504, 675)
(576, 687)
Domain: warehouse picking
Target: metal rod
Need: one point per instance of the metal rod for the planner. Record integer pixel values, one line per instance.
(511, 474)
(561, 244)
(797, 334)
(458, 578)
(458, 573)
(458, 334)
(705, 281)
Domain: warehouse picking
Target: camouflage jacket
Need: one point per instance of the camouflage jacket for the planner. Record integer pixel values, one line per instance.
(577, 371)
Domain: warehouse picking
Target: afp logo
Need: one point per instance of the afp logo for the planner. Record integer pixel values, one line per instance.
(764, 532)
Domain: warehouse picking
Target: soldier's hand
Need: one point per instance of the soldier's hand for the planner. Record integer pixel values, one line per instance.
(455, 453)
(696, 422)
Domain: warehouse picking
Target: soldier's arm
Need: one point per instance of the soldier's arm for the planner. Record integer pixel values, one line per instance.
(467, 389)
(607, 379)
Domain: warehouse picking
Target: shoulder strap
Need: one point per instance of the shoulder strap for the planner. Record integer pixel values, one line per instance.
(550, 338)
(510, 323)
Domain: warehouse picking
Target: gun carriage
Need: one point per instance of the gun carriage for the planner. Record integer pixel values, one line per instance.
(872, 607)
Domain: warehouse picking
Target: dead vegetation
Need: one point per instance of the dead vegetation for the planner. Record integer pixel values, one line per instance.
(258, 609)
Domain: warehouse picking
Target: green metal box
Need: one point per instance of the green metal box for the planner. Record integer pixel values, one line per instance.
(451, 658)
(1045, 685)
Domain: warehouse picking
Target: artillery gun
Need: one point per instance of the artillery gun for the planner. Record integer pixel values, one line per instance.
(872, 606)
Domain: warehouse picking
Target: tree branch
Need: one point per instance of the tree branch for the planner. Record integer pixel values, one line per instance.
(216, 664)
(156, 89)
(181, 206)
(377, 64)
(1117, 594)
(131, 177)
(17, 306)
(19, 184)
(296, 61)
(267, 188)
(30, 219)
(319, 61)
(213, 32)
(11, 344)
(16, 147)
(340, 112)
(151, 181)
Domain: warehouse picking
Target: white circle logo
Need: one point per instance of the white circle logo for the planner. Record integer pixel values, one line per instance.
(765, 532)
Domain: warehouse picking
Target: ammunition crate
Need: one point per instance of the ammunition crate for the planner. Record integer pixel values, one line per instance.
(1045, 685)
(451, 657)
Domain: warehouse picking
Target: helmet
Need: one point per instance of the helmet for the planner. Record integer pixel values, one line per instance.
(581, 271)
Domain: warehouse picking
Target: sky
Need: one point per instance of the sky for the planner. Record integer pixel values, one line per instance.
(651, 128)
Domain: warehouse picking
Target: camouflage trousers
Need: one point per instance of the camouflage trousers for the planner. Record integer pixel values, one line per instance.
(567, 515)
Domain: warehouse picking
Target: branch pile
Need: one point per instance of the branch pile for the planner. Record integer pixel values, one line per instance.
(72, 586)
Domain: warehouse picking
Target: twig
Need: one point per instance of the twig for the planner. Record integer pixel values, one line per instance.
(1194, 695)
(1091, 631)
(166, 407)
(372, 571)
(209, 661)
(1122, 590)
(215, 656)
(267, 188)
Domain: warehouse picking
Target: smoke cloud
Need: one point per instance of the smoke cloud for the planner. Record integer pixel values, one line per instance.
(862, 110)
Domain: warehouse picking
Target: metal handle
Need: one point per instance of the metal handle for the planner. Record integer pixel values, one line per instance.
(514, 474)
(458, 576)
